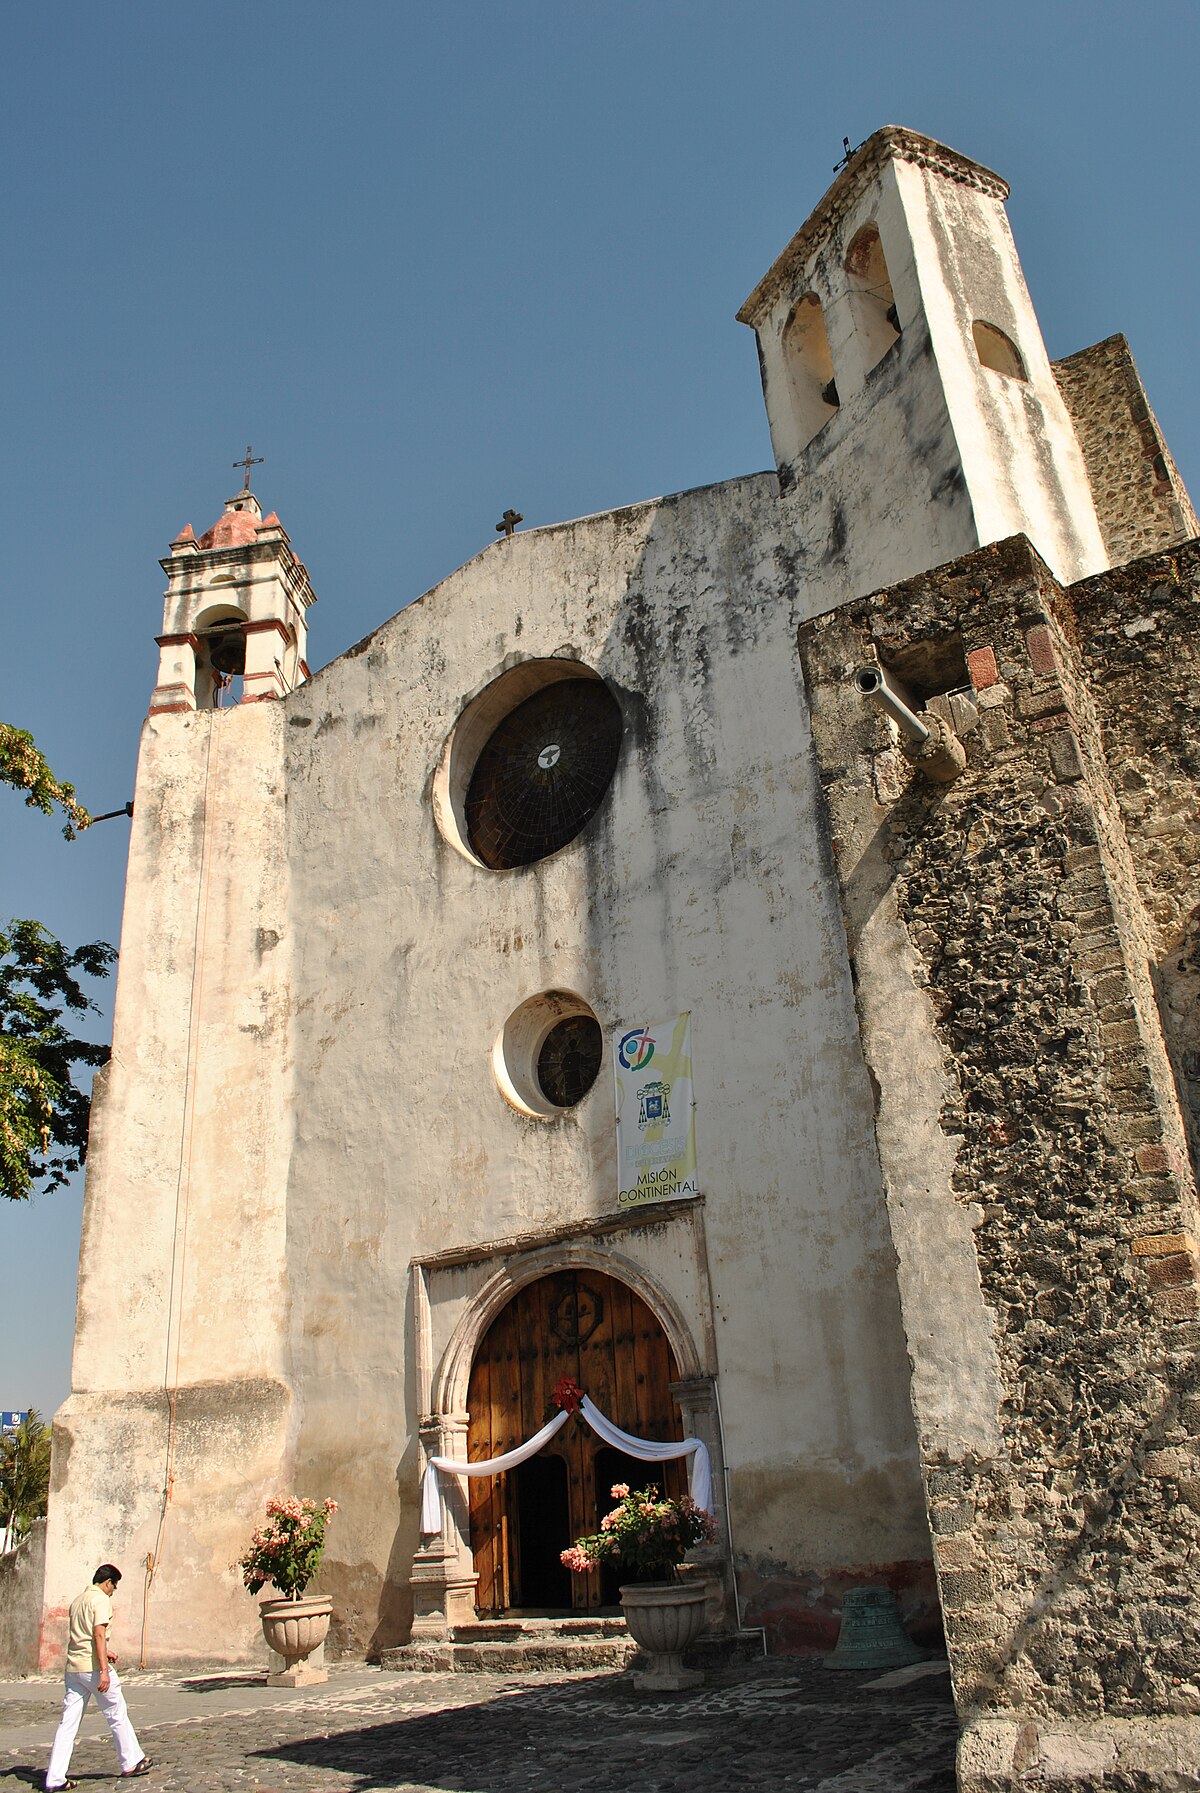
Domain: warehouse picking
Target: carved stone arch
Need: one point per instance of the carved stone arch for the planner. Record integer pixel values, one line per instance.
(445, 1580)
(454, 1371)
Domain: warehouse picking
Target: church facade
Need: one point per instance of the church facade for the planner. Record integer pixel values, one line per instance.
(878, 770)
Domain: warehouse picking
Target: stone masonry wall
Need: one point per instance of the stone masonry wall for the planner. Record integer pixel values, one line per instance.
(1067, 1550)
(1140, 499)
(1140, 644)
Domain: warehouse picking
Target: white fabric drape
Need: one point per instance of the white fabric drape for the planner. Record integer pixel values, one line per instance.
(699, 1469)
(431, 1494)
(645, 1449)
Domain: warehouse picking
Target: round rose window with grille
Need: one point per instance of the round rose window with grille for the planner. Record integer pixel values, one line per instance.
(543, 772)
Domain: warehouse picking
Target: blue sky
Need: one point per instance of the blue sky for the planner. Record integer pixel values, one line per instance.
(433, 262)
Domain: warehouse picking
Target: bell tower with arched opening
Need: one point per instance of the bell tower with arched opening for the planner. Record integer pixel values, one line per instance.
(234, 613)
(914, 412)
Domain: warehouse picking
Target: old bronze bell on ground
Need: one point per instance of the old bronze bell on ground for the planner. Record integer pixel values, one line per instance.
(872, 1636)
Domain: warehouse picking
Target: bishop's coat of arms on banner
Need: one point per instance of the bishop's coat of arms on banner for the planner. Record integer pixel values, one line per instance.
(656, 1111)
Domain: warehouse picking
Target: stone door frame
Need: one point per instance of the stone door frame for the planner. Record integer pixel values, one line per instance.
(443, 1572)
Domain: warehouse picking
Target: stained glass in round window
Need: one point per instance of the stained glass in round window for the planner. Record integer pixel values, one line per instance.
(543, 773)
(569, 1061)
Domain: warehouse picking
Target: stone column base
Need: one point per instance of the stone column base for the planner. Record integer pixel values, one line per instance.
(1055, 1754)
(443, 1596)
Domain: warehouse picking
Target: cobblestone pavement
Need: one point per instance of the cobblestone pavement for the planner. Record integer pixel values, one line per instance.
(779, 1723)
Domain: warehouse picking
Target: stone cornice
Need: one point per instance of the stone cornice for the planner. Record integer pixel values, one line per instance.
(891, 144)
(277, 551)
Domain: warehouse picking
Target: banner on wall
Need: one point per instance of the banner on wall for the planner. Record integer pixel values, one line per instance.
(656, 1111)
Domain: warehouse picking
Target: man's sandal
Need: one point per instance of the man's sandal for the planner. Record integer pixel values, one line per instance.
(61, 1785)
(143, 1767)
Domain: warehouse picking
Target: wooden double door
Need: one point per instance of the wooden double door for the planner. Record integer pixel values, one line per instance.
(594, 1329)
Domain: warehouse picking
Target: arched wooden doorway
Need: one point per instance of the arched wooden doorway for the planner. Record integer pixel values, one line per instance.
(588, 1326)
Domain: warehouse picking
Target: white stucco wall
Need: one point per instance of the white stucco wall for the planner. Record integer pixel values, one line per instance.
(700, 884)
(182, 1288)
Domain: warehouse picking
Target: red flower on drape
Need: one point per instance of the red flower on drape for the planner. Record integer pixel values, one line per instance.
(567, 1396)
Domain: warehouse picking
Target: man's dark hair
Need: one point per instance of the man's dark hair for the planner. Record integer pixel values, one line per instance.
(106, 1572)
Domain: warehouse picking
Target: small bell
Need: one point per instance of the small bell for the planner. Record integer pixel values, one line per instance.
(872, 1636)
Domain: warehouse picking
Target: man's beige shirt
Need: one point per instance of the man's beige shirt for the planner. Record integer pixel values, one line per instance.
(89, 1609)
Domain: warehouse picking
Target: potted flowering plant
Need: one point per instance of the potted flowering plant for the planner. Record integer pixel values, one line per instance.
(646, 1533)
(287, 1551)
(649, 1535)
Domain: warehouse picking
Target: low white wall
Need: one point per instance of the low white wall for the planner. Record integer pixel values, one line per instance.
(21, 1573)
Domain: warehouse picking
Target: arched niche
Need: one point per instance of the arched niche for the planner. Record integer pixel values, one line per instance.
(810, 368)
(997, 351)
(876, 319)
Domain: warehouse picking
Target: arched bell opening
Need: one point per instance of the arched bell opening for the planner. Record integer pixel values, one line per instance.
(876, 318)
(220, 656)
(595, 1329)
(809, 362)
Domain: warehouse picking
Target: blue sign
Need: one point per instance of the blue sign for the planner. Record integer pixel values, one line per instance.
(10, 1421)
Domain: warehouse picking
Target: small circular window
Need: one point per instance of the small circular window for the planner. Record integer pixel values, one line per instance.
(569, 1061)
(548, 1054)
(528, 763)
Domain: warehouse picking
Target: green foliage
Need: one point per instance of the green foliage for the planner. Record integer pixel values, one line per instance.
(24, 1473)
(23, 765)
(43, 1114)
(287, 1550)
(647, 1534)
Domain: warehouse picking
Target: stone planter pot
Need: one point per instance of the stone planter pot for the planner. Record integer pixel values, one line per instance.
(293, 1629)
(664, 1619)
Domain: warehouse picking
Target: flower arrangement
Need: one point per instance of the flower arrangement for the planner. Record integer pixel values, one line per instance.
(287, 1550)
(648, 1534)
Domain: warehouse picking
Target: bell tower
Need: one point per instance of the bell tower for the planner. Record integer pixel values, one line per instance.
(234, 612)
(914, 412)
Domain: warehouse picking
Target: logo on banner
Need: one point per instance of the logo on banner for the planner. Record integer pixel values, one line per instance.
(652, 1105)
(636, 1049)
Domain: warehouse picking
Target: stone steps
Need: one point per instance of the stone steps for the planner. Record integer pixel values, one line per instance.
(519, 1646)
(561, 1646)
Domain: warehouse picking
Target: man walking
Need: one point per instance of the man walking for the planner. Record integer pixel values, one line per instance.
(91, 1669)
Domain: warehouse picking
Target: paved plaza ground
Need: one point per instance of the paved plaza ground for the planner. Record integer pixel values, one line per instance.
(784, 1722)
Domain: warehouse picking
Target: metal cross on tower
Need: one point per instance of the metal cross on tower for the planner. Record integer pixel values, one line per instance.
(509, 522)
(249, 459)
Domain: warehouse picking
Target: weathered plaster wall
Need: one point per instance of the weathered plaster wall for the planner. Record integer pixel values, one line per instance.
(179, 1371)
(700, 884)
(1061, 1469)
(1141, 501)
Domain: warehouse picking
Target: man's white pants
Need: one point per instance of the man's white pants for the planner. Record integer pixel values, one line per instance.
(80, 1689)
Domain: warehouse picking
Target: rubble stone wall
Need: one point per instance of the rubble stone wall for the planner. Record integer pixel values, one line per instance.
(1140, 499)
(1138, 639)
(1066, 1549)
